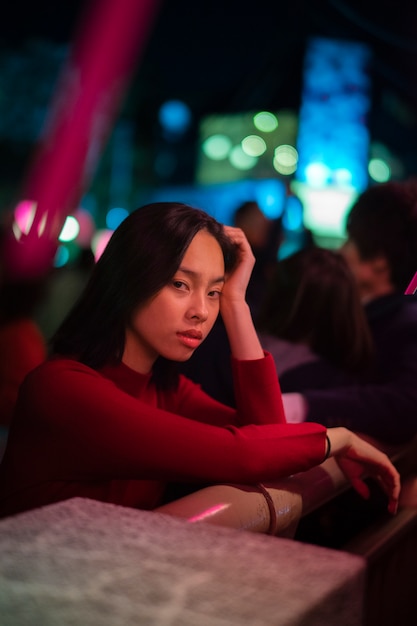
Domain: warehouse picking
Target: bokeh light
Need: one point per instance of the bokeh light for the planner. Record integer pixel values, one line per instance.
(379, 170)
(115, 217)
(265, 121)
(292, 218)
(70, 229)
(333, 137)
(253, 145)
(217, 147)
(87, 227)
(24, 215)
(219, 161)
(342, 176)
(240, 160)
(270, 195)
(61, 257)
(100, 241)
(175, 116)
(285, 159)
(317, 174)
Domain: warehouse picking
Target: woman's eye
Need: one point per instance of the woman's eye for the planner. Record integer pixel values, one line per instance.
(179, 284)
(215, 293)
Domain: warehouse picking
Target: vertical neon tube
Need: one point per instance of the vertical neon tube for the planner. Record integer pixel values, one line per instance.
(106, 48)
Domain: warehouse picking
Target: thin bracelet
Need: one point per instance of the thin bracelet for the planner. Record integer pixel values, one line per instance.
(329, 448)
(273, 522)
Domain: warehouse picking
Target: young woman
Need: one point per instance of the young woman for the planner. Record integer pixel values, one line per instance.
(107, 416)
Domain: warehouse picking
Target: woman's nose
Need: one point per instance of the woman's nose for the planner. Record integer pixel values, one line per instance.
(198, 308)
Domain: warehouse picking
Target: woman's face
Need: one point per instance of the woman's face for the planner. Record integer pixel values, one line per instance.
(175, 321)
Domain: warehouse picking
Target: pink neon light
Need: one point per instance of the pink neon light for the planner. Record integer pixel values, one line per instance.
(107, 46)
(213, 510)
(412, 287)
(24, 214)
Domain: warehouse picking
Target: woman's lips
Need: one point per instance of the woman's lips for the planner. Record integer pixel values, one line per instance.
(190, 338)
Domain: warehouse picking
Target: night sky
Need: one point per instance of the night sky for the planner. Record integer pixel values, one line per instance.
(228, 56)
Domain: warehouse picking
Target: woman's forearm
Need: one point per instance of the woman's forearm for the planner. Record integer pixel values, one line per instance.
(243, 339)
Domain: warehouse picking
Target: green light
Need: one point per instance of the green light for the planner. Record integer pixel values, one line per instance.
(70, 229)
(285, 159)
(240, 160)
(253, 145)
(217, 147)
(325, 208)
(379, 170)
(265, 121)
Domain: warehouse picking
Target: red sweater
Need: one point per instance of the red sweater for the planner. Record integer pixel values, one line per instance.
(111, 436)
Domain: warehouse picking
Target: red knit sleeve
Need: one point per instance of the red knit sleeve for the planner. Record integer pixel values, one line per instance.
(92, 430)
(258, 397)
(257, 391)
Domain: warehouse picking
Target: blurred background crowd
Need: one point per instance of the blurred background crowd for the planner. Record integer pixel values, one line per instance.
(297, 108)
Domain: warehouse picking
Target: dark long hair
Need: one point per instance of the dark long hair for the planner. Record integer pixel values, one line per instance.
(140, 258)
(383, 222)
(313, 299)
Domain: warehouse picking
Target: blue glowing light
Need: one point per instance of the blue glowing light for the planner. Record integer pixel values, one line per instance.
(270, 195)
(333, 139)
(61, 256)
(115, 217)
(292, 218)
(175, 116)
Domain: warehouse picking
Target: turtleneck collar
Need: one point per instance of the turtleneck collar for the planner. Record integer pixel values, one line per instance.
(126, 378)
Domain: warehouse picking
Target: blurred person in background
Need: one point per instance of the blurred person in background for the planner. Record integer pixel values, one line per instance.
(313, 323)
(381, 249)
(22, 344)
(265, 237)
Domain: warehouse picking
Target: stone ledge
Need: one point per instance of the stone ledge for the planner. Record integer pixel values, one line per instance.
(95, 564)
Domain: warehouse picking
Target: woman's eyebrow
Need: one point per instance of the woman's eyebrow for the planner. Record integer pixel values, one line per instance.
(214, 281)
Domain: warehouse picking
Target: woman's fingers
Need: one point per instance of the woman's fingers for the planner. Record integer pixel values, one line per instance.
(356, 470)
(391, 484)
(361, 487)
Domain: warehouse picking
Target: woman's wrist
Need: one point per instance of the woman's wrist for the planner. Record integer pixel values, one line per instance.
(328, 448)
(339, 440)
(233, 306)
